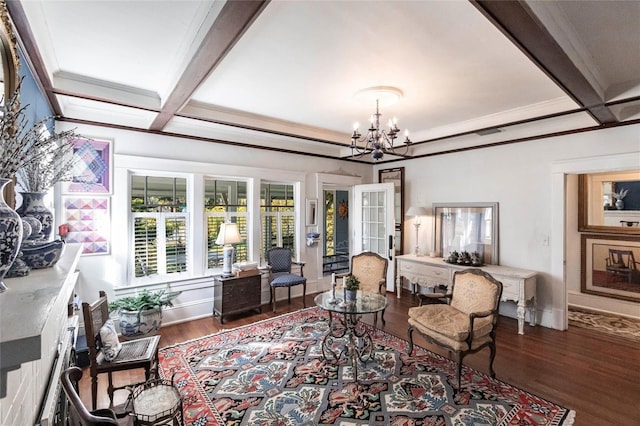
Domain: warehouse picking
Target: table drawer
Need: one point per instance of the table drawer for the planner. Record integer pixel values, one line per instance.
(425, 274)
(510, 288)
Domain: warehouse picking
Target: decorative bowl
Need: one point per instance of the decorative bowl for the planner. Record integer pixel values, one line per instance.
(42, 254)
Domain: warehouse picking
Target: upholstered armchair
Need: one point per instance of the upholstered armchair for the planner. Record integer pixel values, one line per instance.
(371, 270)
(467, 323)
(279, 262)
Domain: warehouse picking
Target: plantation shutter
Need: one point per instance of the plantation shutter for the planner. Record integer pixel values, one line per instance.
(176, 244)
(145, 246)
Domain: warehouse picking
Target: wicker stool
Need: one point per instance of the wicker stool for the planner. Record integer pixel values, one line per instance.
(156, 402)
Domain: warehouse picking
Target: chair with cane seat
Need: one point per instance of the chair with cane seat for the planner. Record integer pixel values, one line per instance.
(134, 354)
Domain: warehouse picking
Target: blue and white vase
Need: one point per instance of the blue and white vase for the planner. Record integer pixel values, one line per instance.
(33, 205)
(10, 235)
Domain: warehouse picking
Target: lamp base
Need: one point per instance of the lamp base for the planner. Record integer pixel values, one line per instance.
(227, 256)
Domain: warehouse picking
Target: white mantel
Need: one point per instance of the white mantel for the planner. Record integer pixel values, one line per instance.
(33, 320)
(613, 217)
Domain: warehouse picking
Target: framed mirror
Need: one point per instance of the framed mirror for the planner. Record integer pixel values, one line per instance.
(8, 54)
(470, 227)
(396, 176)
(312, 212)
(609, 202)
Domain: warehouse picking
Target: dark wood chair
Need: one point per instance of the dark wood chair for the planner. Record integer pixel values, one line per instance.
(467, 323)
(279, 261)
(134, 354)
(622, 264)
(371, 270)
(78, 414)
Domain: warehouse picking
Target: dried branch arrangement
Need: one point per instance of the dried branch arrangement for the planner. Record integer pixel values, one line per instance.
(39, 159)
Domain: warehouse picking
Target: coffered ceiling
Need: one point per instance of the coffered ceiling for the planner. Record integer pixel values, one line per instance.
(281, 75)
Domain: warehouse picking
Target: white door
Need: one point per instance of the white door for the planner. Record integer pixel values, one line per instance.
(374, 223)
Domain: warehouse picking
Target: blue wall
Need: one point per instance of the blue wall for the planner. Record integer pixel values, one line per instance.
(37, 105)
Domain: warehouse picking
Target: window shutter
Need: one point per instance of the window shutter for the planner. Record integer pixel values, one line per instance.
(145, 246)
(176, 244)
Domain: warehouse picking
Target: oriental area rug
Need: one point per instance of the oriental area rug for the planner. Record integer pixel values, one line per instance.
(273, 373)
(614, 325)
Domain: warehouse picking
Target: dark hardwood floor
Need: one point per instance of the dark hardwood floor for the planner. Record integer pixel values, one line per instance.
(595, 374)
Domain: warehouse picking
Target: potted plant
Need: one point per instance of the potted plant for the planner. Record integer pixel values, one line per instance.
(141, 315)
(619, 196)
(351, 286)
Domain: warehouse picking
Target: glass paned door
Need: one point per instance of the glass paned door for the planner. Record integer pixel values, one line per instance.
(374, 223)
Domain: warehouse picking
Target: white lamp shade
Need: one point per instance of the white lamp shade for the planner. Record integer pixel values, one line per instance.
(228, 234)
(416, 211)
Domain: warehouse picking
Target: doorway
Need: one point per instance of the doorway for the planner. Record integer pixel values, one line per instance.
(335, 258)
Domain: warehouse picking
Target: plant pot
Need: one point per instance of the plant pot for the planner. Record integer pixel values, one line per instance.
(350, 295)
(619, 204)
(33, 205)
(10, 235)
(137, 324)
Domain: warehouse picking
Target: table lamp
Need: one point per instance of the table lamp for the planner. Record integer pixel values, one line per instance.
(416, 212)
(228, 235)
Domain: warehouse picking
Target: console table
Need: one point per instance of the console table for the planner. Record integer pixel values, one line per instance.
(518, 285)
(232, 295)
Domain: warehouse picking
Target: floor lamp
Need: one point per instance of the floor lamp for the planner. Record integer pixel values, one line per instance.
(228, 235)
(416, 213)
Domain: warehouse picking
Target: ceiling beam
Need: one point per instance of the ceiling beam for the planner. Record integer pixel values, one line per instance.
(516, 20)
(234, 19)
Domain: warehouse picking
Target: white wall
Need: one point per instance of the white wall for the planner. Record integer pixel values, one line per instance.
(527, 180)
(108, 272)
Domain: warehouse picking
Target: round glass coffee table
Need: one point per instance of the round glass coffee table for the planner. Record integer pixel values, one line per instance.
(347, 336)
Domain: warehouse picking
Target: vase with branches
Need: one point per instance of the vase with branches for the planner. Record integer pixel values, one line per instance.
(21, 145)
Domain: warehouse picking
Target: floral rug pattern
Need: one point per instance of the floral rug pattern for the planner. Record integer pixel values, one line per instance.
(273, 373)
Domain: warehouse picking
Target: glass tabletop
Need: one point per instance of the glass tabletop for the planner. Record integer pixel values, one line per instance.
(365, 303)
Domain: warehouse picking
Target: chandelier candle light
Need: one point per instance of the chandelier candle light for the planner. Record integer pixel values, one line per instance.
(228, 235)
(416, 213)
(378, 141)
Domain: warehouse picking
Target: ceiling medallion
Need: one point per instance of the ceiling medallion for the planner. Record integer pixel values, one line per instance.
(378, 141)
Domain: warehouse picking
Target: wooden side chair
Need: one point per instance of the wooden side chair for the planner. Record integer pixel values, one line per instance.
(78, 414)
(371, 270)
(621, 264)
(467, 323)
(133, 354)
(279, 261)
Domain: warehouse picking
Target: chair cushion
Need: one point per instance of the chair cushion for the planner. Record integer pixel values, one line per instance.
(287, 280)
(110, 344)
(448, 322)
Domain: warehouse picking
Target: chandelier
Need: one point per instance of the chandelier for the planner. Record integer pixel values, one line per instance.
(378, 141)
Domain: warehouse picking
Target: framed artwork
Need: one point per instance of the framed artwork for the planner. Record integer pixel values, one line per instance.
(89, 222)
(396, 176)
(470, 227)
(609, 202)
(92, 173)
(610, 266)
(312, 212)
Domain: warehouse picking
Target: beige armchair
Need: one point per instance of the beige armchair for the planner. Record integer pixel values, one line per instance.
(371, 270)
(467, 323)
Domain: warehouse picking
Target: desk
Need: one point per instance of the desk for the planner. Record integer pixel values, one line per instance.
(349, 333)
(518, 285)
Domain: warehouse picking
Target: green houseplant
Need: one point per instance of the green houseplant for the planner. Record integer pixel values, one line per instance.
(351, 286)
(141, 314)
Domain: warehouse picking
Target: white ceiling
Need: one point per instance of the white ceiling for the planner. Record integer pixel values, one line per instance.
(282, 74)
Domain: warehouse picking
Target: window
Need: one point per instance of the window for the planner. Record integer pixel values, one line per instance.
(160, 225)
(225, 200)
(277, 217)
